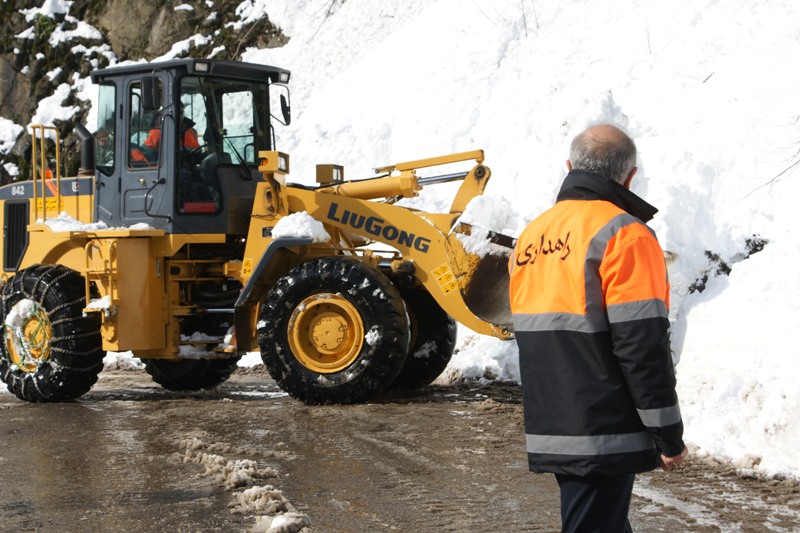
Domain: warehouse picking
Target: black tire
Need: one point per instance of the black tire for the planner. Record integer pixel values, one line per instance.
(190, 374)
(62, 352)
(333, 330)
(433, 339)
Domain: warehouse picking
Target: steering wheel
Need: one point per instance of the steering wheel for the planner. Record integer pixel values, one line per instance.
(193, 156)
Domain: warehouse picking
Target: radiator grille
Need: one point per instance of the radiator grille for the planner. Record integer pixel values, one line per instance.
(15, 234)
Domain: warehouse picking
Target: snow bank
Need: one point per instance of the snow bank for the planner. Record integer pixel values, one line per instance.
(706, 92)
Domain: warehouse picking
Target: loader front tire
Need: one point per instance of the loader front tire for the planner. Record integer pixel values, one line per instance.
(433, 339)
(190, 374)
(51, 351)
(333, 330)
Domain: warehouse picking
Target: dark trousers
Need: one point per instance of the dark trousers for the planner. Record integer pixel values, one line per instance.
(595, 503)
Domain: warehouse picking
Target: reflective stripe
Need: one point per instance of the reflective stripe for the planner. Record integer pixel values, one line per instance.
(559, 322)
(590, 444)
(628, 311)
(656, 418)
(595, 299)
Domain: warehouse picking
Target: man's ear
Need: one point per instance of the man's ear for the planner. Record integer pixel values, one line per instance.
(569, 165)
(629, 179)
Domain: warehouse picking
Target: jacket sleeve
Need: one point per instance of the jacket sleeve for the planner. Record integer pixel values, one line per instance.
(636, 294)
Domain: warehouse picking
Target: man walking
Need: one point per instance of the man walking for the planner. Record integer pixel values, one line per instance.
(589, 294)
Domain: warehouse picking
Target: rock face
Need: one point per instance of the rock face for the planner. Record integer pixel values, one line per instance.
(41, 49)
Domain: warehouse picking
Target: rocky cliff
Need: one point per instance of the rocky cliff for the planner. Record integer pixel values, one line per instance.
(49, 47)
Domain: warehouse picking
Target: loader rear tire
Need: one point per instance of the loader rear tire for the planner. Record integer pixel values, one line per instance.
(333, 330)
(433, 339)
(51, 351)
(190, 374)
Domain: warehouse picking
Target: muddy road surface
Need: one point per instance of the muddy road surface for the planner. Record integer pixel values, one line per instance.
(130, 456)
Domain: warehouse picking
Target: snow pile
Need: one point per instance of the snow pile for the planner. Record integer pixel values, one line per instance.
(703, 88)
(300, 225)
(485, 214)
(121, 361)
(273, 512)
(230, 474)
(285, 523)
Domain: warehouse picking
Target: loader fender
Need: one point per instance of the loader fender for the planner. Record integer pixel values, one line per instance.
(252, 292)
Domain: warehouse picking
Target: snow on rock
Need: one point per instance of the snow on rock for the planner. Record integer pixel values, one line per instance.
(181, 48)
(82, 30)
(47, 9)
(51, 108)
(300, 225)
(9, 131)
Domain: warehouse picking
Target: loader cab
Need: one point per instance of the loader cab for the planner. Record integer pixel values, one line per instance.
(178, 143)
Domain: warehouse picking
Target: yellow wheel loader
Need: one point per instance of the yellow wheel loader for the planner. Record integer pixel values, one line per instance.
(179, 240)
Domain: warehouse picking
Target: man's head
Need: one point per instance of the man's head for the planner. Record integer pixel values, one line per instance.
(604, 150)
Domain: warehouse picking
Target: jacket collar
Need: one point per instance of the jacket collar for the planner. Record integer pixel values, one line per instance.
(585, 185)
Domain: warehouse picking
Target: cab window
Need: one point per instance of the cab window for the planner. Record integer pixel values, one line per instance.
(145, 132)
(105, 148)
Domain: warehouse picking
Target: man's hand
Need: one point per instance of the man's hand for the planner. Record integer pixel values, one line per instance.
(674, 462)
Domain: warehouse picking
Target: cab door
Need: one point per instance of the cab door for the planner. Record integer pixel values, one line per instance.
(145, 187)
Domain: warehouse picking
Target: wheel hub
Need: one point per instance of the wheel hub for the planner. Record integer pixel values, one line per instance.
(326, 333)
(27, 333)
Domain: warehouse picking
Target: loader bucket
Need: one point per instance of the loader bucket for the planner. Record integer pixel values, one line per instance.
(483, 271)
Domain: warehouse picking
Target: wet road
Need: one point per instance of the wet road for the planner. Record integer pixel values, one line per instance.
(130, 456)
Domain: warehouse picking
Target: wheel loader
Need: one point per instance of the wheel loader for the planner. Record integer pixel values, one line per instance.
(178, 240)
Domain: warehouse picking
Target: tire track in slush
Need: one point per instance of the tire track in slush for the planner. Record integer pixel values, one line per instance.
(374, 471)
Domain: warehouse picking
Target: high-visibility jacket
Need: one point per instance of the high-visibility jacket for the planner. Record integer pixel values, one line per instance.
(590, 295)
(188, 139)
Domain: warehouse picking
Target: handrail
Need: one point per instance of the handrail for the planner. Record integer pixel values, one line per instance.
(39, 170)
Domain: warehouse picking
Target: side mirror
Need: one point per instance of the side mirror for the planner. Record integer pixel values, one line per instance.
(286, 110)
(151, 93)
(87, 144)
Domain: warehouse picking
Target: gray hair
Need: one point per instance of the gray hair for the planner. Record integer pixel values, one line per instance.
(604, 150)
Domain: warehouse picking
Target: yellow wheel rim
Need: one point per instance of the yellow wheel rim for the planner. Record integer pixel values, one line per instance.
(326, 333)
(28, 337)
